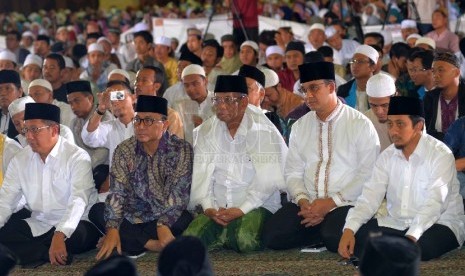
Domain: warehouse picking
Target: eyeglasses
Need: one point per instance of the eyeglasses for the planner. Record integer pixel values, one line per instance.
(358, 61)
(225, 100)
(33, 130)
(311, 88)
(147, 121)
(416, 70)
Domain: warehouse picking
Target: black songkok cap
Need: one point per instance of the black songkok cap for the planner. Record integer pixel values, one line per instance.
(316, 71)
(253, 73)
(406, 106)
(58, 47)
(295, 46)
(447, 57)
(115, 265)
(388, 255)
(313, 56)
(229, 83)
(152, 104)
(78, 86)
(10, 76)
(184, 254)
(191, 57)
(42, 111)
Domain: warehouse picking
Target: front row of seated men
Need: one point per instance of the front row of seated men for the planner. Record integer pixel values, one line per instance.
(231, 179)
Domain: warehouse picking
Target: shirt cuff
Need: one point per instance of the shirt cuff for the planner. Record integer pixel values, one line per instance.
(300, 196)
(352, 225)
(247, 207)
(338, 199)
(415, 231)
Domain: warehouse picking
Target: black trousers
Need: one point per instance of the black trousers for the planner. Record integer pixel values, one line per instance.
(283, 230)
(135, 236)
(436, 241)
(16, 235)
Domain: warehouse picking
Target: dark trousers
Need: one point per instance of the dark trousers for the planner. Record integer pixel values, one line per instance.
(434, 242)
(135, 236)
(284, 229)
(239, 36)
(16, 235)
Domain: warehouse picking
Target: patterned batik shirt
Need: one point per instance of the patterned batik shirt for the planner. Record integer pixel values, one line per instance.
(145, 188)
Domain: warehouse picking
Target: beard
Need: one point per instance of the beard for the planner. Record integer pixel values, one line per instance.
(382, 121)
(399, 147)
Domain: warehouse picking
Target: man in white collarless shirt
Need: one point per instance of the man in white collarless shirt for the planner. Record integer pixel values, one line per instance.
(55, 179)
(238, 171)
(331, 154)
(418, 178)
(110, 133)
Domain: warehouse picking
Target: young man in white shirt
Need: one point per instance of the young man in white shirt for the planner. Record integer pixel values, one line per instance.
(55, 179)
(237, 171)
(331, 154)
(418, 178)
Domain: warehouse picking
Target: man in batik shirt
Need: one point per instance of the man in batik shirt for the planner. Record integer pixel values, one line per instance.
(150, 182)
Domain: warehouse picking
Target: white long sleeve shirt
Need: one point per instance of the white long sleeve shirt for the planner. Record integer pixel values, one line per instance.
(10, 148)
(245, 171)
(59, 192)
(108, 134)
(66, 114)
(420, 192)
(331, 158)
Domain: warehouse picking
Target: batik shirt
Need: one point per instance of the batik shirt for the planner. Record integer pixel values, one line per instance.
(145, 188)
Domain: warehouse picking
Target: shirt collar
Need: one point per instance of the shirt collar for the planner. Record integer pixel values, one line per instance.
(333, 114)
(419, 149)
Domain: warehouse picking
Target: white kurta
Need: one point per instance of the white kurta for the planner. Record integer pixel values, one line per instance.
(108, 134)
(59, 191)
(245, 172)
(174, 94)
(420, 192)
(333, 158)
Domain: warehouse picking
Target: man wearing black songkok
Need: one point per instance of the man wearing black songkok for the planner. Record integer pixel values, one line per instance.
(150, 180)
(417, 176)
(55, 179)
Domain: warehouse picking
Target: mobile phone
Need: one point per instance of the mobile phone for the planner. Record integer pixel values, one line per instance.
(117, 95)
(314, 248)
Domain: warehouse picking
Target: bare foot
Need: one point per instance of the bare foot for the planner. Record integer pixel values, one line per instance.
(153, 245)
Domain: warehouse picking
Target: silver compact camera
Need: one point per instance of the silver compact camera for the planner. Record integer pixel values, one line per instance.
(117, 95)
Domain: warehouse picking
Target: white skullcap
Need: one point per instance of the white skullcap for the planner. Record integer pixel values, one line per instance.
(40, 82)
(322, 12)
(27, 33)
(426, 40)
(62, 28)
(95, 47)
(408, 23)
(417, 36)
(102, 38)
(8, 55)
(368, 51)
(19, 105)
(387, 37)
(250, 43)
(193, 69)
(274, 49)
(141, 26)
(330, 32)
(33, 59)
(317, 26)
(271, 78)
(380, 85)
(163, 40)
(68, 62)
(119, 72)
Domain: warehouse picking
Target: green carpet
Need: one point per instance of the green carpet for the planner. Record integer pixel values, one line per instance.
(289, 262)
